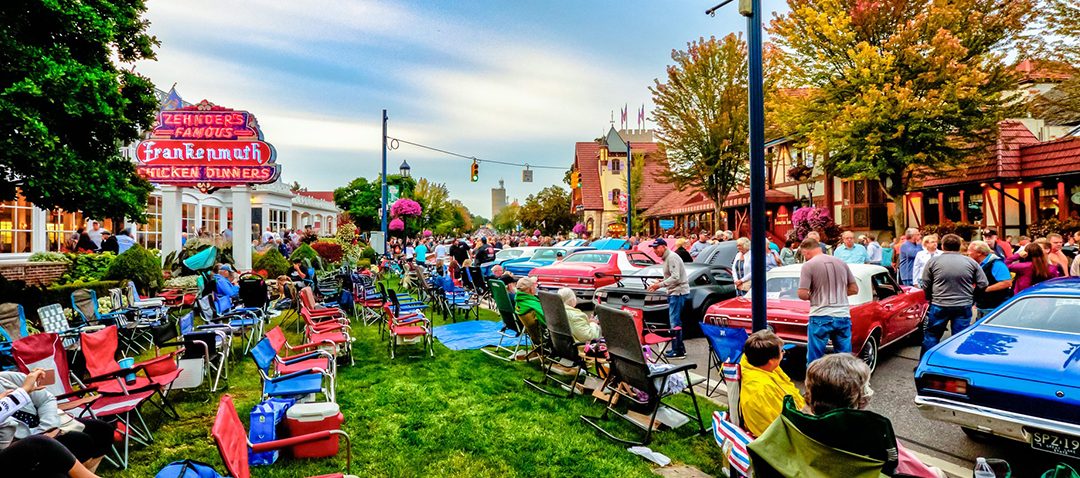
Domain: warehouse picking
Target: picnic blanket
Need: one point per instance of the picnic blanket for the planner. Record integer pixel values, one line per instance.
(470, 335)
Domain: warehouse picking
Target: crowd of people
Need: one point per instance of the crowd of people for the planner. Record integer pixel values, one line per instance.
(96, 239)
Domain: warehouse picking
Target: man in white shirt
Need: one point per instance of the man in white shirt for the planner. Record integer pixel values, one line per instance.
(873, 249)
(699, 245)
(95, 233)
(441, 250)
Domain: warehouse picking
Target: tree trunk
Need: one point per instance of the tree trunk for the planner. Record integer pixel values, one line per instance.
(897, 192)
(717, 209)
(899, 215)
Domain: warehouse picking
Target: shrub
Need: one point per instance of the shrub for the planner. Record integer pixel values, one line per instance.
(1053, 225)
(305, 252)
(32, 297)
(272, 262)
(140, 266)
(330, 252)
(350, 242)
(182, 282)
(807, 219)
(49, 257)
(86, 267)
(369, 253)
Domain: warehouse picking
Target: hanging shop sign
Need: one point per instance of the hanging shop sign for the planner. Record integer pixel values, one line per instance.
(207, 147)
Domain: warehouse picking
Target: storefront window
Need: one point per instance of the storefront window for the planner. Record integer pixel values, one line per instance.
(975, 206)
(61, 230)
(278, 219)
(189, 219)
(16, 222)
(952, 206)
(1048, 203)
(211, 220)
(930, 211)
(150, 233)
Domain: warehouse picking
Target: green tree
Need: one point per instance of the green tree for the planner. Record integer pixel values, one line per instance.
(434, 198)
(900, 86)
(547, 210)
(362, 198)
(1059, 39)
(637, 178)
(507, 218)
(702, 118)
(66, 107)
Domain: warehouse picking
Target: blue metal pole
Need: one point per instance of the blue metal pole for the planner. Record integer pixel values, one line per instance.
(629, 198)
(758, 247)
(385, 231)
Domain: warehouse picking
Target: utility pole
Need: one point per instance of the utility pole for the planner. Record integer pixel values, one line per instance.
(385, 231)
(629, 197)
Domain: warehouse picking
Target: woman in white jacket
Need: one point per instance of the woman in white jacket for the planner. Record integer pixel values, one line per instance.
(929, 251)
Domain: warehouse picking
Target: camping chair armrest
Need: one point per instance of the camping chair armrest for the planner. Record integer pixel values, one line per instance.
(663, 331)
(299, 440)
(308, 346)
(76, 393)
(305, 356)
(327, 327)
(213, 327)
(673, 370)
(299, 373)
(117, 373)
(77, 403)
(160, 358)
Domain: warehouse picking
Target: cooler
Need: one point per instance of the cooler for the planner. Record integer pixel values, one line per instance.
(304, 418)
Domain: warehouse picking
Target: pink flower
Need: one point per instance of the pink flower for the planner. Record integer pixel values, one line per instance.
(536, 232)
(427, 232)
(397, 224)
(579, 228)
(405, 207)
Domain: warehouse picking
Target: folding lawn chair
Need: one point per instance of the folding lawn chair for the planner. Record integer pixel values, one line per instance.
(297, 384)
(253, 292)
(12, 328)
(148, 307)
(311, 355)
(53, 320)
(46, 351)
(85, 304)
(231, 439)
(629, 368)
(409, 328)
(369, 307)
(333, 329)
(483, 289)
(562, 349)
(158, 373)
(203, 354)
(135, 334)
(656, 340)
(512, 330)
(242, 322)
(725, 351)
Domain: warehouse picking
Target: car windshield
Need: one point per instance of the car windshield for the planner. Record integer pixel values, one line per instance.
(545, 255)
(1052, 314)
(508, 254)
(589, 258)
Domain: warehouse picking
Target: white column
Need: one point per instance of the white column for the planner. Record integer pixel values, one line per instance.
(39, 238)
(241, 197)
(172, 214)
(198, 215)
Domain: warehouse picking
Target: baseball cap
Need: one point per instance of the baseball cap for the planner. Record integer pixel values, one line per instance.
(226, 267)
(658, 242)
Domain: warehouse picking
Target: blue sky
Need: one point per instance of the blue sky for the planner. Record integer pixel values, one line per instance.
(515, 81)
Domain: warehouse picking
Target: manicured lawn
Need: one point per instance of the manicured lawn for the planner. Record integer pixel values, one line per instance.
(459, 414)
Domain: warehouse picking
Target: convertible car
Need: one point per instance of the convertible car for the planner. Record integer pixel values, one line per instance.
(1014, 374)
(541, 256)
(511, 254)
(881, 313)
(585, 271)
(709, 284)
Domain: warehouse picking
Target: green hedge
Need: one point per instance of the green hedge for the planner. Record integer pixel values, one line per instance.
(140, 266)
(306, 252)
(87, 267)
(32, 297)
(272, 262)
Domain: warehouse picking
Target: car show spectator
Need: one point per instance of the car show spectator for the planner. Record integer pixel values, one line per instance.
(1001, 248)
(680, 250)
(764, 384)
(998, 278)
(908, 250)
(699, 245)
(949, 282)
(929, 251)
(826, 282)
(1030, 266)
(873, 249)
(789, 254)
(850, 251)
(1057, 257)
(582, 327)
(678, 289)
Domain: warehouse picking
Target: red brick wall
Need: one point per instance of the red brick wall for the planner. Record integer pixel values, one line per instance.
(35, 273)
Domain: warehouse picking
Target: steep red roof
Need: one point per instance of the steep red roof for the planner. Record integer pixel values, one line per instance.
(324, 195)
(1002, 163)
(1061, 156)
(690, 200)
(586, 157)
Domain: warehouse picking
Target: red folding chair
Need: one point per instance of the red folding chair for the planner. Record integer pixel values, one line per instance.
(232, 443)
(333, 331)
(316, 355)
(307, 301)
(158, 373)
(651, 336)
(46, 351)
(408, 328)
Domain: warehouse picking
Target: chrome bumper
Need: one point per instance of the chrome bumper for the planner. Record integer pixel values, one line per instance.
(586, 294)
(990, 420)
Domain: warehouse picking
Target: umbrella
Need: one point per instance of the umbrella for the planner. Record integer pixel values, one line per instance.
(202, 260)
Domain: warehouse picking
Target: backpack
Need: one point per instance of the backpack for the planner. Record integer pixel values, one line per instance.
(188, 469)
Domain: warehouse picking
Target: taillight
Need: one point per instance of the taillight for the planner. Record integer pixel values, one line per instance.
(942, 383)
(585, 280)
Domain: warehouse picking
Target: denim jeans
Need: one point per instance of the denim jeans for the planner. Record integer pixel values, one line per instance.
(821, 329)
(675, 307)
(938, 318)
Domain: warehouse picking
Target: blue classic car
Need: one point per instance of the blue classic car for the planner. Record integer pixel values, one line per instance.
(1014, 374)
(543, 256)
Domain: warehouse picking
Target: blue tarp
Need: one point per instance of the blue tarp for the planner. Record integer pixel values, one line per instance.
(471, 335)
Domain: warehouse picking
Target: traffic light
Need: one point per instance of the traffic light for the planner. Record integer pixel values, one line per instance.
(575, 180)
(475, 171)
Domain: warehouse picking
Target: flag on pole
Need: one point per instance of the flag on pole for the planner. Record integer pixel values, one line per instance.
(624, 111)
(641, 117)
(172, 100)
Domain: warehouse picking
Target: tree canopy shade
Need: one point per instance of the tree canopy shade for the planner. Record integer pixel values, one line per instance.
(702, 118)
(66, 108)
(362, 198)
(900, 86)
(547, 210)
(1059, 44)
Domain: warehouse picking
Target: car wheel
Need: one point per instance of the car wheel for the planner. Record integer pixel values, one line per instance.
(977, 435)
(869, 352)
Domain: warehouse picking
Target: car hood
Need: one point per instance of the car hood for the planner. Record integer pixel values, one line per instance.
(526, 265)
(572, 269)
(1043, 356)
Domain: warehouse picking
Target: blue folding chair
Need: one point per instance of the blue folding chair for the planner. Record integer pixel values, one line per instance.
(12, 328)
(725, 347)
(296, 384)
(85, 304)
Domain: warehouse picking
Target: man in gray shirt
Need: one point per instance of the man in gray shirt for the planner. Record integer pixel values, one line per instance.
(949, 281)
(678, 289)
(826, 282)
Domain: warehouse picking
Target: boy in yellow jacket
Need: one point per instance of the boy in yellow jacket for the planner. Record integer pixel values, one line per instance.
(764, 384)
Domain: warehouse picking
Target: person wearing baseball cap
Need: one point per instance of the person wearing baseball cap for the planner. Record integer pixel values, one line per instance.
(678, 289)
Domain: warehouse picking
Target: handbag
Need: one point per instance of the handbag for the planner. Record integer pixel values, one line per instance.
(68, 423)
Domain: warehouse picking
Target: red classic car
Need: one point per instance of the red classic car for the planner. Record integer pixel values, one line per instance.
(881, 313)
(584, 271)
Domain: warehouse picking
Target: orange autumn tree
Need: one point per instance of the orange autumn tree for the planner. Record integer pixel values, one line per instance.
(899, 86)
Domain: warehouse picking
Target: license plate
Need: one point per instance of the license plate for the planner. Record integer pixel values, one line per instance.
(1056, 443)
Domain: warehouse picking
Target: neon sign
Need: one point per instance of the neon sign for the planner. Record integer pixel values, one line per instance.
(207, 147)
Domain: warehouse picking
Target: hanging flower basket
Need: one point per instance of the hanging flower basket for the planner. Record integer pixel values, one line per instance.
(405, 207)
(427, 232)
(579, 228)
(397, 225)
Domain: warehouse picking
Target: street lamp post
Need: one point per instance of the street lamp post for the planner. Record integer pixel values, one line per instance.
(405, 170)
(385, 232)
(751, 9)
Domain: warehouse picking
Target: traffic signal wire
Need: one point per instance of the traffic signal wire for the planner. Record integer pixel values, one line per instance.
(393, 145)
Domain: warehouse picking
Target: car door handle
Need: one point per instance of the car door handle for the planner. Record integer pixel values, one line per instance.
(888, 306)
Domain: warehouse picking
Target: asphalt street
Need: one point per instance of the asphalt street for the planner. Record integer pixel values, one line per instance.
(943, 445)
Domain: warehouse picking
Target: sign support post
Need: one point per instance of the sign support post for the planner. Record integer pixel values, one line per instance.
(241, 204)
(171, 217)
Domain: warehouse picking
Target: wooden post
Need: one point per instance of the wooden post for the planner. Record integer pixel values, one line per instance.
(963, 207)
(941, 206)
(1063, 202)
